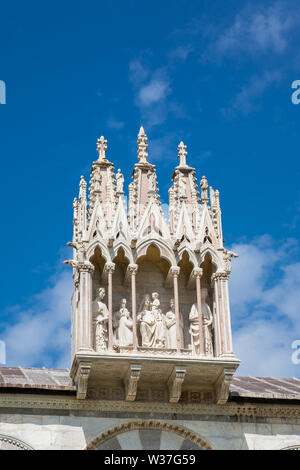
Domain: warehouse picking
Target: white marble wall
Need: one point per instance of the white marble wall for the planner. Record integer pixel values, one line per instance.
(75, 432)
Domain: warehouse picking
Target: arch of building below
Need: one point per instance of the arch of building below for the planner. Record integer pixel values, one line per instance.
(149, 435)
(11, 443)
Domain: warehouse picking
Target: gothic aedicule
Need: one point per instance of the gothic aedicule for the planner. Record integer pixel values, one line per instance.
(152, 360)
(150, 306)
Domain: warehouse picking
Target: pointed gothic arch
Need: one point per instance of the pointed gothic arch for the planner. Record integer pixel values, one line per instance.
(161, 246)
(102, 247)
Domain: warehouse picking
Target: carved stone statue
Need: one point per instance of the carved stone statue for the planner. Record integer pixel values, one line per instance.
(207, 324)
(170, 322)
(160, 339)
(204, 189)
(182, 187)
(147, 323)
(120, 181)
(194, 329)
(100, 311)
(151, 179)
(124, 324)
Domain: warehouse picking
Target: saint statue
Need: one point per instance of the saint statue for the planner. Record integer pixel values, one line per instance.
(151, 179)
(160, 339)
(182, 187)
(147, 323)
(204, 189)
(207, 324)
(194, 329)
(124, 324)
(170, 322)
(120, 181)
(100, 311)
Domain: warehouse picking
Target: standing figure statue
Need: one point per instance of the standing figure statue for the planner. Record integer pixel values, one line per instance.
(194, 329)
(151, 184)
(170, 322)
(182, 187)
(120, 181)
(207, 324)
(100, 311)
(124, 334)
(147, 323)
(160, 339)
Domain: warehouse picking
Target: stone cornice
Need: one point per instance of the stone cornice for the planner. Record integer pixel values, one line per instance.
(18, 401)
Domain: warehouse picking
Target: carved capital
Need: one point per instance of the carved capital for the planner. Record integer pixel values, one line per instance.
(175, 270)
(223, 276)
(81, 379)
(222, 386)
(82, 266)
(197, 272)
(131, 381)
(133, 268)
(175, 383)
(86, 267)
(109, 268)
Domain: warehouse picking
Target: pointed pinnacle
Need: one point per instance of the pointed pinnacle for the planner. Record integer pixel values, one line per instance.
(142, 132)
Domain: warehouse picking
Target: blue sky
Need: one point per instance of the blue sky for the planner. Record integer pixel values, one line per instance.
(216, 75)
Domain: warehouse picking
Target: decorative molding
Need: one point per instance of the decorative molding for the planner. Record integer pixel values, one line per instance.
(131, 381)
(81, 379)
(249, 409)
(145, 424)
(175, 383)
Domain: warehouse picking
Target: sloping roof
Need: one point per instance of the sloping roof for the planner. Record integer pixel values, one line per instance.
(37, 378)
(59, 380)
(265, 387)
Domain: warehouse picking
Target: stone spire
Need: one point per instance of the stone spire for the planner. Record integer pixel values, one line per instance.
(182, 153)
(142, 146)
(101, 149)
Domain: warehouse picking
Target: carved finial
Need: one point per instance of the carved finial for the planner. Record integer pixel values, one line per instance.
(182, 153)
(142, 146)
(204, 192)
(102, 148)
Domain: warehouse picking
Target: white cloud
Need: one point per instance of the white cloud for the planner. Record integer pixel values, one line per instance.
(265, 299)
(151, 92)
(113, 123)
(40, 335)
(181, 52)
(155, 91)
(256, 30)
(247, 98)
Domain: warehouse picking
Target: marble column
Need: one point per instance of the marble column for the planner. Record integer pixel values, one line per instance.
(175, 270)
(226, 313)
(222, 308)
(84, 325)
(133, 270)
(197, 272)
(109, 269)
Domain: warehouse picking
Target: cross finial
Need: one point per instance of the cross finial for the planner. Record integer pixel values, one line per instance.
(142, 146)
(101, 148)
(182, 153)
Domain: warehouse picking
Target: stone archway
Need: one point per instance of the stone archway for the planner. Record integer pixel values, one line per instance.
(148, 435)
